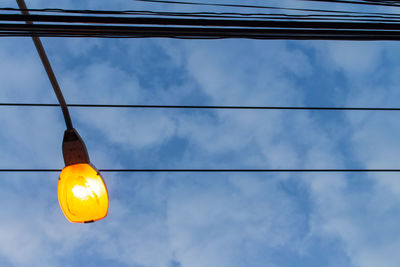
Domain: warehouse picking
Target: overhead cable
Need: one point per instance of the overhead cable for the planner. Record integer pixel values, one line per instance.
(204, 22)
(204, 4)
(176, 13)
(347, 16)
(288, 30)
(375, 3)
(221, 170)
(363, 2)
(381, 17)
(199, 107)
(105, 27)
(380, 3)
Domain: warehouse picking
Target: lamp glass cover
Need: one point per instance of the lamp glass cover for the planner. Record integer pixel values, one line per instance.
(82, 193)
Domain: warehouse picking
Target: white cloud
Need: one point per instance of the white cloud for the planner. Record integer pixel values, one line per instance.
(201, 220)
(215, 226)
(362, 209)
(353, 58)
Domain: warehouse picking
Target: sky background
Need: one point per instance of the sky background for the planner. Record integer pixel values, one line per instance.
(204, 219)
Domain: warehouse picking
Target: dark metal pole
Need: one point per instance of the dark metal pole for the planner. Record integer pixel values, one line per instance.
(48, 68)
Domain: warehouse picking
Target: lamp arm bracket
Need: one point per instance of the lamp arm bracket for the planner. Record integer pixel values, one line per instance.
(73, 148)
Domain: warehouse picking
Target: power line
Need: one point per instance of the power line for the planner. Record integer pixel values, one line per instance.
(220, 170)
(199, 107)
(197, 28)
(165, 13)
(364, 2)
(204, 4)
(248, 23)
(259, 16)
(368, 17)
(289, 32)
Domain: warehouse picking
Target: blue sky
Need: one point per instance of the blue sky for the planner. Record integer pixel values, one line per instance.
(204, 220)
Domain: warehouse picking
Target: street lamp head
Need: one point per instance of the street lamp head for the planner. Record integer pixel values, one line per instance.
(82, 193)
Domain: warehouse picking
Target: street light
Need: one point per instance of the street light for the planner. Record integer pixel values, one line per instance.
(82, 193)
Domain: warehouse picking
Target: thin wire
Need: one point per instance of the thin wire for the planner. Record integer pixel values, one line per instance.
(260, 16)
(371, 37)
(48, 68)
(198, 107)
(252, 29)
(288, 32)
(379, 3)
(205, 4)
(250, 23)
(164, 13)
(219, 170)
(372, 3)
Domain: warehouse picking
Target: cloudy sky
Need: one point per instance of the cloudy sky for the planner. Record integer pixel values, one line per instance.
(195, 219)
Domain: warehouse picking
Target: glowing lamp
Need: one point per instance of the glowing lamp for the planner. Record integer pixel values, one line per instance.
(82, 193)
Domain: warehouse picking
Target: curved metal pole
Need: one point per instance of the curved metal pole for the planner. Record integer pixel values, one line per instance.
(49, 70)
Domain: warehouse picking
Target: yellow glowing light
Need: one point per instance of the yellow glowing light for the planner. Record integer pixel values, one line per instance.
(82, 193)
